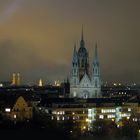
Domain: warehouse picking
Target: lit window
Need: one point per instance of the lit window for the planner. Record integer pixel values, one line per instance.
(74, 94)
(7, 109)
(46, 110)
(87, 120)
(125, 115)
(128, 118)
(108, 110)
(54, 112)
(1, 85)
(61, 112)
(129, 109)
(15, 116)
(84, 127)
(101, 116)
(110, 116)
(58, 118)
(135, 119)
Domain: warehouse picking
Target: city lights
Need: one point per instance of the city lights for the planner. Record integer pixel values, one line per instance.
(70, 69)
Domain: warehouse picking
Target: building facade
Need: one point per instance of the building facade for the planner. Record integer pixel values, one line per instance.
(82, 83)
(84, 113)
(20, 111)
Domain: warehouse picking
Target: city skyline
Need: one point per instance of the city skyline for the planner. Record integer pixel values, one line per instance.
(38, 42)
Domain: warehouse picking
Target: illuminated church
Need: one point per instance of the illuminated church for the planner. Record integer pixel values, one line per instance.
(82, 83)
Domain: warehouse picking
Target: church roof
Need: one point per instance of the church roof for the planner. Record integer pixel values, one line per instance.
(85, 80)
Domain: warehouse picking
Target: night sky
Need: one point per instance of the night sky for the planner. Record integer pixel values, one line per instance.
(37, 37)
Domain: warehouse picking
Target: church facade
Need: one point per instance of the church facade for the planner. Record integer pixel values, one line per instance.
(84, 84)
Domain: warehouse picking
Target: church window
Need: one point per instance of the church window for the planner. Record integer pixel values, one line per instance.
(95, 93)
(73, 64)
(74, 93)
(75, 81)
(15, 116)
(82, 62)
(95, 83)
(95, 70)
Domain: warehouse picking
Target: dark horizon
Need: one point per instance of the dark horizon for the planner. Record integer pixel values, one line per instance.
(38, 42)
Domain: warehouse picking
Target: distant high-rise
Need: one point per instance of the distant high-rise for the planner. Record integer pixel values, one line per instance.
(16, 79)
(13, 79)
(40, 84)
(82, 84)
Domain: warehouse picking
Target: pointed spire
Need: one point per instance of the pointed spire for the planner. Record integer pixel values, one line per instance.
(82, 43)
(74, 50)
(96, 50)
(82, 37)
(75, 46)
(96, 60)
(75, 59)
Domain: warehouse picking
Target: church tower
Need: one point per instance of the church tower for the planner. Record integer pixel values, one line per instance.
(96, 79)
(75, 69)
(74, 75)
(83, 58)
(82, 83)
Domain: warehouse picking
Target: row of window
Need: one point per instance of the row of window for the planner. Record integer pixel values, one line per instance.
(58, 118)
(68, 112)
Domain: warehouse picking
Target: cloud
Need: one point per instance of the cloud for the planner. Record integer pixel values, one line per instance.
(42, 34)
(21, 57)
(10, 10)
